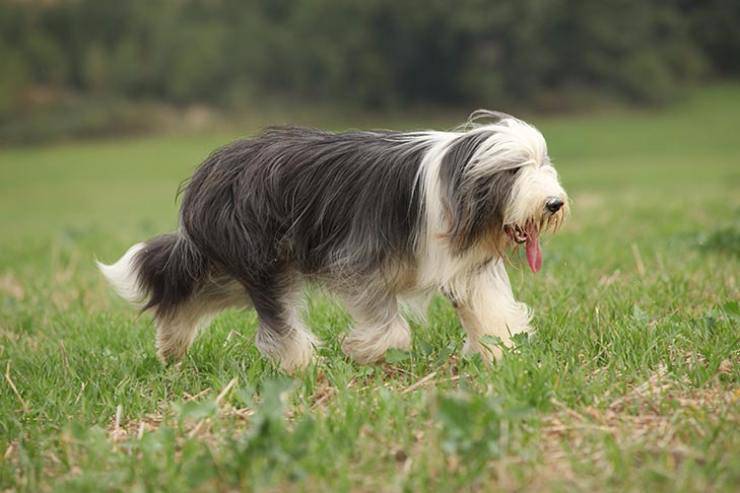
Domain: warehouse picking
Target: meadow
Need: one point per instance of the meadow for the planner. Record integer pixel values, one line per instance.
(630, 382)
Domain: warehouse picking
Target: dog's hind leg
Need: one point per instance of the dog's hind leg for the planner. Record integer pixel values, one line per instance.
(169, 276)
(378, 327)
(282, 335)
(177, 329)
(486, 306)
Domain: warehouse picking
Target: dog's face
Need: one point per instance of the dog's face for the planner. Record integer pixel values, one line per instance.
(537, 203)
(501, 190)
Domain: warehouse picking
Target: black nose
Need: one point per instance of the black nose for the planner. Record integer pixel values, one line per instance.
(553, 205)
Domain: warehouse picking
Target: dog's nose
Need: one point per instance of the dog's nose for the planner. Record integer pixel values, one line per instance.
(553, 205)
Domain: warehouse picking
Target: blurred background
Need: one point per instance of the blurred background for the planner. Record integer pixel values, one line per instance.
(82, 68)
(631, 380)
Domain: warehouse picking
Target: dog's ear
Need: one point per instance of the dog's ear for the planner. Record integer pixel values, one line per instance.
(475, 202)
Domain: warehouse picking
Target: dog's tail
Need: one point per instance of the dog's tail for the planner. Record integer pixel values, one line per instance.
(158, 274)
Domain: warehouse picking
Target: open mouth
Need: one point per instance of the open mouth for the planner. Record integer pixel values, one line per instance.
(529, 234)
(515, 233)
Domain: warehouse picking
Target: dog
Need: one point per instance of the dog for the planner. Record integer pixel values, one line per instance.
(382, 219)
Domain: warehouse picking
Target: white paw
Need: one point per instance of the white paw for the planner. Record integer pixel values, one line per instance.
(293, 352)
(490, 350)
(369, 344)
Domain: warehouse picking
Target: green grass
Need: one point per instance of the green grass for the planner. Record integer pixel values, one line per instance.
(630, 382)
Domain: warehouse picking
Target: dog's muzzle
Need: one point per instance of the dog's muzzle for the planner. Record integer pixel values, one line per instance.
(529, 235)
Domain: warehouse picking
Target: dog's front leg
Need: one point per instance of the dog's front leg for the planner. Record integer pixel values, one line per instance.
(486, 306)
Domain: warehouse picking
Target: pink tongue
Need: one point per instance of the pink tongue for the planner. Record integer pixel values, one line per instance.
(534, 255)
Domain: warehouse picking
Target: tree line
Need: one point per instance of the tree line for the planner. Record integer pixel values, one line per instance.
(369, 53)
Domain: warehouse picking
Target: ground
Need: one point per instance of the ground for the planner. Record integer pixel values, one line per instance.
(629, 383)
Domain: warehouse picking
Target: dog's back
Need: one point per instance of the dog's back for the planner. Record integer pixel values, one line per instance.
(308, 198)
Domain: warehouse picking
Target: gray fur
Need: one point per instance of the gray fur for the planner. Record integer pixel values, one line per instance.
(475, 207)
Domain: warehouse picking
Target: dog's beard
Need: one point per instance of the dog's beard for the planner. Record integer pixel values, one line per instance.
(529, 235)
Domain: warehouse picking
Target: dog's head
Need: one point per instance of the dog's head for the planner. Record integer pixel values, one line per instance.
(500, 188)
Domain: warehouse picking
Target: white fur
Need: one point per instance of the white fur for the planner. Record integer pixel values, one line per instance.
(437, 265)
(293, 350)
(513, 144)
(367, 344)
(487, 308)
(176, 332)
(534, 185)
(122, 276)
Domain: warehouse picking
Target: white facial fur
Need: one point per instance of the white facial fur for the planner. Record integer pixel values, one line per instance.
(535, 185)
(513, 144)
(516, 144)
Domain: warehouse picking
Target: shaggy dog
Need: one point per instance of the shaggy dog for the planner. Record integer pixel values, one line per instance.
(379, 218)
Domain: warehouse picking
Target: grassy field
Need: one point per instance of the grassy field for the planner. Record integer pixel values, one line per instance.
(630, 382)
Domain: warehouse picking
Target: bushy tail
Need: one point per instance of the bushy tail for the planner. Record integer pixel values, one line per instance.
(158, 274)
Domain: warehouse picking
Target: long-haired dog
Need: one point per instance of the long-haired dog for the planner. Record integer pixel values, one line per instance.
(380, 218)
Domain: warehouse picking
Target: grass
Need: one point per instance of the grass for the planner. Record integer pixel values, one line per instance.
(630, 382)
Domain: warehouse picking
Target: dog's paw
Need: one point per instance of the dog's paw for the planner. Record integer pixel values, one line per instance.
(292, 352)
(488, 347)
(369, 345)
